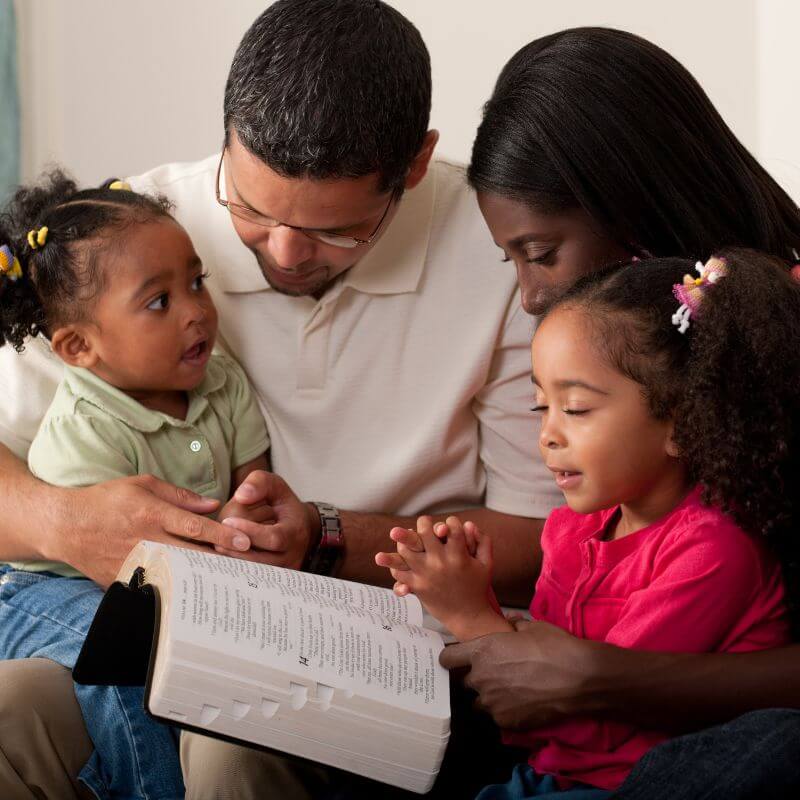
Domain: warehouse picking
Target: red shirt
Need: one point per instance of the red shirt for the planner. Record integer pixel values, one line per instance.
(692, 582)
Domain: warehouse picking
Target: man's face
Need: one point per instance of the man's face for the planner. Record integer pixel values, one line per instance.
(292, 262)
(550, 251)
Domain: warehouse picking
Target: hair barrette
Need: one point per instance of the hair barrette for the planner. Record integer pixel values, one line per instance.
(37, 239)
(9, 264)
(124, 185)
(691, 292)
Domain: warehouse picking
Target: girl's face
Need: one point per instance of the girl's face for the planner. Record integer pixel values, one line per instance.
(154, 325)
(550, 251)
(598, 436)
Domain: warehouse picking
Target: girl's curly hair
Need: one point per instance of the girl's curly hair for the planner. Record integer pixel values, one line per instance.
(61, 278)
(731, 382)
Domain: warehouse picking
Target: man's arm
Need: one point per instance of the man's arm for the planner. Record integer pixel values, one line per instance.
(286, 543)
(22, 499)
(541, 675)
(94, 528)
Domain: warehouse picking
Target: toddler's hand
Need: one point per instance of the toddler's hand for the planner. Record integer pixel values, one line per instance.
(260, 512)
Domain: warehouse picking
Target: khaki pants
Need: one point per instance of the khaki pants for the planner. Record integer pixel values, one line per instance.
(44, 745)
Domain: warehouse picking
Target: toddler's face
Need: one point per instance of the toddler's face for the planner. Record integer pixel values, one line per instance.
(155, 324)
(597, 436)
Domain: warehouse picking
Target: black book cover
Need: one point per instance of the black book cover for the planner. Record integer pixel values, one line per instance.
(117, 648)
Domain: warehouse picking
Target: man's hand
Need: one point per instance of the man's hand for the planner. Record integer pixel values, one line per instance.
(287, 538)
(535, 676)
(95, 528)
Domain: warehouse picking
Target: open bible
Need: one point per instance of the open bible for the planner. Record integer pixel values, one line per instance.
(337, 672)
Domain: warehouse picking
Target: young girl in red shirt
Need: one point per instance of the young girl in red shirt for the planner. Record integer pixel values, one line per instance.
(669, 406)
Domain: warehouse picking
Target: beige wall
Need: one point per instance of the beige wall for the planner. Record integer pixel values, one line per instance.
(113, 88)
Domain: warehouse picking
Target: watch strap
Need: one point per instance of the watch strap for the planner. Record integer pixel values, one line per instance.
(328, 553)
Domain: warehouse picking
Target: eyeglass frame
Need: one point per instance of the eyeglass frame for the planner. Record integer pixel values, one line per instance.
(311, 233)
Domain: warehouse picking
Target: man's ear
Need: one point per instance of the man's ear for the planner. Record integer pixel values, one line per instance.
(74, 346)
(419, 166)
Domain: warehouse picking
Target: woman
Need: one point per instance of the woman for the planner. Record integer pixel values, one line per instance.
(596, 146)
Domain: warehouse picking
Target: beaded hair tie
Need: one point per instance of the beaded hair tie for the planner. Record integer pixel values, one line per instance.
(10, 268)
(38, 238)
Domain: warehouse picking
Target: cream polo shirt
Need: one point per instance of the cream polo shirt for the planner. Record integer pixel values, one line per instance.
(405, 389)
(94, 432)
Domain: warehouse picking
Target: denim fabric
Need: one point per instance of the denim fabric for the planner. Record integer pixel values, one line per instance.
(754, 756)
(47, 616)
(526, 783)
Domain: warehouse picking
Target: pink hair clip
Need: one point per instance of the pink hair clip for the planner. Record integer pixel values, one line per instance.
(795, 271)
(690, 293)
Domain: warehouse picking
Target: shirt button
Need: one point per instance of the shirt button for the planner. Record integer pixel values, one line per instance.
(195, 446)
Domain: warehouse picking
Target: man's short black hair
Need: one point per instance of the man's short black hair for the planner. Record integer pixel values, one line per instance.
(331, 88)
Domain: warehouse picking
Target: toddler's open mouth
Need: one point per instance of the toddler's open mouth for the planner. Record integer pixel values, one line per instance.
(197, 353)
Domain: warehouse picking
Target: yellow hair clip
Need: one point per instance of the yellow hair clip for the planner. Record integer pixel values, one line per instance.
(9, 264)
(36, 239)
(120, 185)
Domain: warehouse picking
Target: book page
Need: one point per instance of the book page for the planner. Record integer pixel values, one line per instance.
(303, 585)
(307, 627)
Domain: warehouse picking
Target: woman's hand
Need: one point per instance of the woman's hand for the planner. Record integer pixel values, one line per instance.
(534, 676)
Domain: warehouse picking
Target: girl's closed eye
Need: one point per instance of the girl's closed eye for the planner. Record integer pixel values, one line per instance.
(575, 412)
(159, 303)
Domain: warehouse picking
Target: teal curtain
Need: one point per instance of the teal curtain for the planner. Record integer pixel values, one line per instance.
(9, 100)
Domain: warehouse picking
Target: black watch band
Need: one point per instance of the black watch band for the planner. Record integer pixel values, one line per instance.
(328, 553)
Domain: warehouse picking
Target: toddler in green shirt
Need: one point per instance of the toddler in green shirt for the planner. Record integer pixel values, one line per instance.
(114, 283)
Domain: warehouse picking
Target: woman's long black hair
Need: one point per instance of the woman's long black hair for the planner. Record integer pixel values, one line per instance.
(606, 121)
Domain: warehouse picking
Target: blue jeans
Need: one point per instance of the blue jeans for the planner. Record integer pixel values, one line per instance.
(756, 755)
(43, 615)
(526, 783)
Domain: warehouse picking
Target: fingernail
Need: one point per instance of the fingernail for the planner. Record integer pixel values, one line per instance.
(245, 492)
(241, 542)
(440, 526)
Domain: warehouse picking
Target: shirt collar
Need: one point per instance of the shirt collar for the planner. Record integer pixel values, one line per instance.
(393, 266)
(93, 389)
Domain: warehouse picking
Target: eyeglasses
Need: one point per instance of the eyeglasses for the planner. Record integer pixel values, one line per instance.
(257, 218)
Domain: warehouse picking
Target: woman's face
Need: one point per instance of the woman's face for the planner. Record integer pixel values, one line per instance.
(550, 251)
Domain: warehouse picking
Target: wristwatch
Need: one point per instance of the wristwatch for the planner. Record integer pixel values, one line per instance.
(324, 559)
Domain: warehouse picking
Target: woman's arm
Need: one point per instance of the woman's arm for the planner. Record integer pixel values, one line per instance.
(541, 674)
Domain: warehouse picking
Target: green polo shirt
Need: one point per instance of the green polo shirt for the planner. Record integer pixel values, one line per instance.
(94, 432)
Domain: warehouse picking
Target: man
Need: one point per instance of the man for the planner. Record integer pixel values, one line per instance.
(355, 284)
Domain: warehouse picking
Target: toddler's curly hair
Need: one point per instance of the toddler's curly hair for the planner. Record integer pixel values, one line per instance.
(62, 277)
